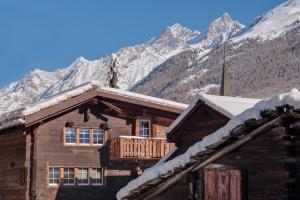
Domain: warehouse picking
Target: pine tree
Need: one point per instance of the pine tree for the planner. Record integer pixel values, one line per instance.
(113, 74)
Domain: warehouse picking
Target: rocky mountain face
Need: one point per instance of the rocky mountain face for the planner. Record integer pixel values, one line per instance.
(180, 63)
(262, 60)
(255, 69)
(134, 63)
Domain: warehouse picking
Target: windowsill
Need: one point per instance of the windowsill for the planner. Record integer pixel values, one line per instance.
(70, 144)
(97, 184)
(73, 185)
(53, 185)
(67, 185)
(82, 145)
(83, 184)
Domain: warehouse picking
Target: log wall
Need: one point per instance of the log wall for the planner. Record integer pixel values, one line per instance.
(12, 164)
(51, 151)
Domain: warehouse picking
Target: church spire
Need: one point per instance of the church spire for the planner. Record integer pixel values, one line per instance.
(225, 89)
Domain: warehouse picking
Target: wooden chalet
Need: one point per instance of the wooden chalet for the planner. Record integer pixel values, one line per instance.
(207, 114)
(255, 156)
(50, 149)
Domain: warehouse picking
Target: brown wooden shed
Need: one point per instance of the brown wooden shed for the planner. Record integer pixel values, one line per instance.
(254, 156)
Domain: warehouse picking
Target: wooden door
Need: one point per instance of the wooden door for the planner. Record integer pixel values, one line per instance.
(222, 184)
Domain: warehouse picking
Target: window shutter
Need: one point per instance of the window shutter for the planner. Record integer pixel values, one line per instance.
(222, 184)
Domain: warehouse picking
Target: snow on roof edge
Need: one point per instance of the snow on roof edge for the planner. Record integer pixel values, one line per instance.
(291, 98)
(182, 116)
(209, 100)
(206, 99)
(7, 118)
(143, 97)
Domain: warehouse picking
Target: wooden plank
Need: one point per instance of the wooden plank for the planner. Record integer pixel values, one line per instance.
(111, 106)
(60, 108)
(235, 185)
(121, 148)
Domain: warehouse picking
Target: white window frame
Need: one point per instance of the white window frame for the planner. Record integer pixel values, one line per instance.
(87, 176)
(52, 178)
(101, 174)
(67, 132)
(85, 133)
(102, 131)
(74, 180)
(144, 120)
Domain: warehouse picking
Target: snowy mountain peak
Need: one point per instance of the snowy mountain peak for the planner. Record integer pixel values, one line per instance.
(225, 17)
(136, 62)
(36, 71)
(274, 23)
(224, 24)
(218, 32)
(81, 59)
(177, 33)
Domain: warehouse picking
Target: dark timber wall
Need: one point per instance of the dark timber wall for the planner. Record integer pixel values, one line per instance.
(265, 163)
(12, 162)
(203, 122)
(51, 151)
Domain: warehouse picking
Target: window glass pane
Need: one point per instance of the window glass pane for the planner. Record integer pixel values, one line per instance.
(84, 136)
(70, 136)
(97, 136)
(97, 176)
(68, 176)
(82, 176)
(145, 124)
(54, 175)
(144, 128)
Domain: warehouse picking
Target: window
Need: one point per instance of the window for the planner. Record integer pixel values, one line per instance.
(69, 176)
(144, 128)
(97, 176)
(82, 176)
(97, 136)
(70, 136)
(54, 176)
(84, 136)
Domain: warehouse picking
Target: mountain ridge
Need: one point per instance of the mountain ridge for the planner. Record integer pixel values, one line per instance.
(137, 63)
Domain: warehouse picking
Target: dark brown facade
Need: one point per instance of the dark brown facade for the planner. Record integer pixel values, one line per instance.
(35, 154)
(200, 121)
(258, 160)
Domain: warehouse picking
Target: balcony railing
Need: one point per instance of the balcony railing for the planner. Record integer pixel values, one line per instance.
(131, 147)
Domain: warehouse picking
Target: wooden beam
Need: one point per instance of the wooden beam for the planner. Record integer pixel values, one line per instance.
(111, 106)
(198, 165)
(141, 102)
(59, 108)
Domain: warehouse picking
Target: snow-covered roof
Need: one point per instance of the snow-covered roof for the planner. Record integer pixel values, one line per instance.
(292, 98)
(17, 117)
(142, 97)
(228, 106)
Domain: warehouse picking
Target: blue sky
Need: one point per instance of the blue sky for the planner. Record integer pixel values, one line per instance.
(50, 34)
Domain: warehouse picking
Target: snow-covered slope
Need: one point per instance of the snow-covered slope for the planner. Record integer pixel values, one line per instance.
(136, 62)
(274, 23)
(28, 88)
(133, 63)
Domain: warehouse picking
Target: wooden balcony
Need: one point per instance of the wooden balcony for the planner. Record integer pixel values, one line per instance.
(138, 148)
